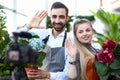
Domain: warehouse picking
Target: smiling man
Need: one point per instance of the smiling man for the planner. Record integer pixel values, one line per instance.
(55, 64)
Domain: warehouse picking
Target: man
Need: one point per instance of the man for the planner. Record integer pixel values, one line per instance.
(55, 65)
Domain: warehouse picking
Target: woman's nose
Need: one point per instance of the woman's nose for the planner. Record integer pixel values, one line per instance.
(84, 33)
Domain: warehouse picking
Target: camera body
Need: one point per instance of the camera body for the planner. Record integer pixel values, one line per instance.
(18, 55)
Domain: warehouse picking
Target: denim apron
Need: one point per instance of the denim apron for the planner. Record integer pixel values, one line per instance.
(55, 57)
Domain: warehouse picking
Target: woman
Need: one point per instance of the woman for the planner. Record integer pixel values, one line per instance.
(83, 33)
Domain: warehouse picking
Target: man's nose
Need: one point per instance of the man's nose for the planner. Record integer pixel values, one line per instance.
(57, 20)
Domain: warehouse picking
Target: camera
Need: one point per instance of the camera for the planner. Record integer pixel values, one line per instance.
(18, 55)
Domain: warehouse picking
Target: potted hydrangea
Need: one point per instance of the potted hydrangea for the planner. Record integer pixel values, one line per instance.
(107, 62)
(37, 44)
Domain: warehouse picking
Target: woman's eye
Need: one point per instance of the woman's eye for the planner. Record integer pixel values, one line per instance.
(80, 31)
(88, 30)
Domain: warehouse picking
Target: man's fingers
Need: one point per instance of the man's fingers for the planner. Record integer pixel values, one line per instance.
(42, 14)
(36, 13)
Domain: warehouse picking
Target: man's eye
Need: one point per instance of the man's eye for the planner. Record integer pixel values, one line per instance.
(62, 16)
(54, 16)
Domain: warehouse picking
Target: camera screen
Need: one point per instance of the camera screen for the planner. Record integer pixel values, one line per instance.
(13, 55)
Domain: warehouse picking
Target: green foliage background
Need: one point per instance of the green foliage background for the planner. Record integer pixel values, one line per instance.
(4, 41)
(111, 31)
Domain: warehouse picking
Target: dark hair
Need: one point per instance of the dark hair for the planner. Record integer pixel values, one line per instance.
(59, 5)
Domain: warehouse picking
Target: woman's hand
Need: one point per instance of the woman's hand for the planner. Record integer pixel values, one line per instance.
(71, 49)
(36, 19)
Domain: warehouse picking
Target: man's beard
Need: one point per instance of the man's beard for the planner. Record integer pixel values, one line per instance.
(58, 29)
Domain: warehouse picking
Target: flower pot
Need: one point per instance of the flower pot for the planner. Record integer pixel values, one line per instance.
(28, 68)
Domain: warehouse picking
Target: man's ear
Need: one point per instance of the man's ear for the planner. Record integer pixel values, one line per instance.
(93, 32)
(67, 18)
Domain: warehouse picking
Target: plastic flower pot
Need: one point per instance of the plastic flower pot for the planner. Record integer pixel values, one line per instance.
(28, 68)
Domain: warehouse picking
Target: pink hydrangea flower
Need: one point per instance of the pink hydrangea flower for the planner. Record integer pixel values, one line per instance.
(106, 56)
(110, 44)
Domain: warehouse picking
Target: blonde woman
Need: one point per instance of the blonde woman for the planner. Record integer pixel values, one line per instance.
(82, 48)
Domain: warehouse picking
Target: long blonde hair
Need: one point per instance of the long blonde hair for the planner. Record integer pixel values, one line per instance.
(85, 54)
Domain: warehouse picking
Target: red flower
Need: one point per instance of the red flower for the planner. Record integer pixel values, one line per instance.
(97, 56)
(110, 44)
(108, 60)
(106, 56)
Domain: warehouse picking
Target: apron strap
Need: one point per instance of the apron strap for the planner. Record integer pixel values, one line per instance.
(63, 44)
(46, 39)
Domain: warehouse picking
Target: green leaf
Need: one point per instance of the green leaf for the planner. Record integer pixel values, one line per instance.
(115, 64)
(35, 36)
(101, 68)
(111, 22)
(104, 77)
(4, 42)
(23, 41)
(115, 71)
(42, 55)
(6, 72)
